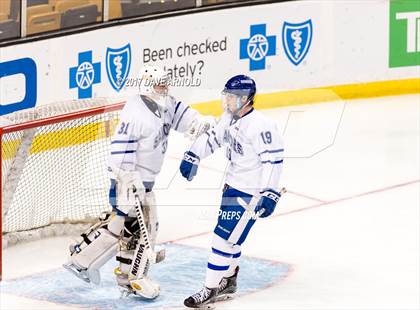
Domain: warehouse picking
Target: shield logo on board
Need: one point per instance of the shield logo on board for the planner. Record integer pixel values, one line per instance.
(297, 40)
(118, 63)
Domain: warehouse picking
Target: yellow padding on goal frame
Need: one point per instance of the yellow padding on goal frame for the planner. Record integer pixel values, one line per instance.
(61, 138)
(72, 136)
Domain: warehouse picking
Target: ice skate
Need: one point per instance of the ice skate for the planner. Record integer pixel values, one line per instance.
(227, 287)
(143, 287)
(202, 299)
(81, 273)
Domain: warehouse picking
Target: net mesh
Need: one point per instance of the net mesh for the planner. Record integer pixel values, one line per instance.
(55, 174)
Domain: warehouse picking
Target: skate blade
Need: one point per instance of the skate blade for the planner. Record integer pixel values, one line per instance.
(80, 274)
(129, 292)
(94, 276)
(125, 293)
(212, 305)
(203, 307)
(225, 297)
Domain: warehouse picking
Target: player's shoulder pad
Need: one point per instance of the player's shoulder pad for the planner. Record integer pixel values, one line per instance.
(261, 123)
(172, 99)
(132, 99)
(134, 112)
(132, 106)
(225, 119)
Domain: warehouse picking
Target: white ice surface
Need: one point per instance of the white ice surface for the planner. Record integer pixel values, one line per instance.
(349, 225)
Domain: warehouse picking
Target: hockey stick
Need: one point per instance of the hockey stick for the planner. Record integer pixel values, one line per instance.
(144, 253)
(151, 256)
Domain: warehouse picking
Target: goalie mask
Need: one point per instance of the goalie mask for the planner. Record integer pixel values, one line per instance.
(154, 83)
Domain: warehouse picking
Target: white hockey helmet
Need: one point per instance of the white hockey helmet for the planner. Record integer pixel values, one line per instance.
(154, 83)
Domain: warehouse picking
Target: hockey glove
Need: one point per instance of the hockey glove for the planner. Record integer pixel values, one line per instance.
(199, 126)
(131, 180)
(189, 165)
(267, 202)
(130, 184)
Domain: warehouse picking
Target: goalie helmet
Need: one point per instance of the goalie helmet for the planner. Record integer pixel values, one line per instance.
(240, 87)
(154, 83)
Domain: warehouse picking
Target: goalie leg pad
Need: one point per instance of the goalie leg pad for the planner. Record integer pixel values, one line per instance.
(99, 244)
(128, 244)
(151, 218)
(135, 260)
(152, 223)
(131, 253)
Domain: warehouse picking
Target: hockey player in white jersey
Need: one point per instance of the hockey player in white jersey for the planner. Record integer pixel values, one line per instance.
(138, 147)
(254, 148)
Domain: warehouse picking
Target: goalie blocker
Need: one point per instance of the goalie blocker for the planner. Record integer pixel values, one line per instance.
(122, 236)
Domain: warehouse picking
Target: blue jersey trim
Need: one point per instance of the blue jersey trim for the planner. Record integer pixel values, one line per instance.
(236, 255)
(124, 141)
(252, 109)
(272, 162)
(180, 118)
(211, 147)
(215, 139)
(123, 152)
(177, 106)
(218, 268)
(272, 151)
(221, 253)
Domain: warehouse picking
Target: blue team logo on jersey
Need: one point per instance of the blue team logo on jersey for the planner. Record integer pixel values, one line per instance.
(257, 47)
(118, 63)
(297, 39)
(84, 75)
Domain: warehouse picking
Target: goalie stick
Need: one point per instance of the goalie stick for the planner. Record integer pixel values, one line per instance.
(144, 253)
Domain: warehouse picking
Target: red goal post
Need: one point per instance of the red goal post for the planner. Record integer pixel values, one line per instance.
(53, 167)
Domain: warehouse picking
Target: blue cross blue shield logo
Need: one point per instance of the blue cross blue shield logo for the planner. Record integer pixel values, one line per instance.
(297, 40)
(118, 63)
(257, 47)
(85, 75)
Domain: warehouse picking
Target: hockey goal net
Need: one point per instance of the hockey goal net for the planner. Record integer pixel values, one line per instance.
(53, 168)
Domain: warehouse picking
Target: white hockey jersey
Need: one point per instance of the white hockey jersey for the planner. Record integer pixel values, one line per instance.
(254, 148)
(140, 139)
